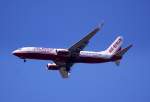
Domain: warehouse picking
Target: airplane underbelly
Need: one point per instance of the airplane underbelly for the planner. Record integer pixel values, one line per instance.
(91, 60)
(41, 56)
(62, 58)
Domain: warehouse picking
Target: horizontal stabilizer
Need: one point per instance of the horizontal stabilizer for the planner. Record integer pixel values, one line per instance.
(123, 51)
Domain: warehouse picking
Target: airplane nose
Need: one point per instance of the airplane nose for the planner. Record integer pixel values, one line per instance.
(15, 52)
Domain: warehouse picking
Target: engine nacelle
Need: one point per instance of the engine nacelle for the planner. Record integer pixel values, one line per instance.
(52, 66)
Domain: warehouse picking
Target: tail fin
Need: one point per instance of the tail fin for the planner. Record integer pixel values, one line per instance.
(115, 46)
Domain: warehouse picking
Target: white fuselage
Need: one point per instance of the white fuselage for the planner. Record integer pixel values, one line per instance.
(60, 54)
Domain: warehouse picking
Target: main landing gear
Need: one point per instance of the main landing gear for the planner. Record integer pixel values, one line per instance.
(24, 60)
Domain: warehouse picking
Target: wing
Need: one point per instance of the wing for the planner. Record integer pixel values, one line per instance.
(77, 47)
(63, 72)
(64, 68)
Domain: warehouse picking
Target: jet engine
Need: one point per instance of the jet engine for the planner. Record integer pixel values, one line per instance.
(52, 66)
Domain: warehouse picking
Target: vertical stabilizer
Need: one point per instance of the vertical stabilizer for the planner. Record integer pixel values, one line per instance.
(115, 46)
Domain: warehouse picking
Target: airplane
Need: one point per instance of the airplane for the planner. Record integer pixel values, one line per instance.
(64, 59)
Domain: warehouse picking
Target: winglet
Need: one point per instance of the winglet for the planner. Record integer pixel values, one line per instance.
(100, 25)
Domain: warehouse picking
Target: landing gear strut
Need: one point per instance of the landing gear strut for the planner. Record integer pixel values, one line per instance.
(24, 60)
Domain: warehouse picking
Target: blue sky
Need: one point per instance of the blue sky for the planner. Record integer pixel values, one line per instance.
(59, 24)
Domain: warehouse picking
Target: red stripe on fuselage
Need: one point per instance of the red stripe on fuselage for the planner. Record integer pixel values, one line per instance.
(80, 59)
